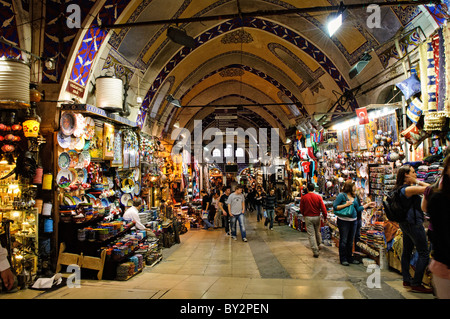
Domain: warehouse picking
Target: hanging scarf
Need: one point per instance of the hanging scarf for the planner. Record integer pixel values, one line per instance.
(446, 44)
(442, 74)
(423, 76)
(431, 77)
(433, 120)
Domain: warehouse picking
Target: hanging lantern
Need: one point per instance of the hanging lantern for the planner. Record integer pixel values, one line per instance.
(31, 128)
(35, 95)
(31, 125)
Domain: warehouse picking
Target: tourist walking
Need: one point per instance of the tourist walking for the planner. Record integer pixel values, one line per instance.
(313, 208)
(259, 202)
(217, 213)
(236, 207)
(414, 235)
(223, 209)
(270, 203)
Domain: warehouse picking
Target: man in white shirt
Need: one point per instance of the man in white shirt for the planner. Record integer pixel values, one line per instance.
(5, 269)
(132, 214)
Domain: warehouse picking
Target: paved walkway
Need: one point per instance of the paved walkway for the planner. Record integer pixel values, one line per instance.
(207, 264)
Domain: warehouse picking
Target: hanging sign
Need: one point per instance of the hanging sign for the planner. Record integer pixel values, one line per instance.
(361, 113)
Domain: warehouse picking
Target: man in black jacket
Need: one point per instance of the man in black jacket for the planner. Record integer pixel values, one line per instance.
(270, 202)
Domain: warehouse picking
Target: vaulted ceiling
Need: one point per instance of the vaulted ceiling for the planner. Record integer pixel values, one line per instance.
(242, 66)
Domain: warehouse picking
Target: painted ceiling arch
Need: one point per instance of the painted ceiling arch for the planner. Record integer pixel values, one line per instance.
(303, 44)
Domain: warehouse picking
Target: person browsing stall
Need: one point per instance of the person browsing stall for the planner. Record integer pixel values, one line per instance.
(414, 235)
(345, 210)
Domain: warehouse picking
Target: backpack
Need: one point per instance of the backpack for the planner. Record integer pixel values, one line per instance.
(393, 206)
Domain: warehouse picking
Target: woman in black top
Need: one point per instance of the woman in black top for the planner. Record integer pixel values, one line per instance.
(412, 228)
(437, 206)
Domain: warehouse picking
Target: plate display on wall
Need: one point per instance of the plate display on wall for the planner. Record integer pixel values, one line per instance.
(79, 146)
(64, 178)
(68, 123)
(80, 124)
(73, 158)
(89, 128)
(64, 160)
(84, 158)
(137, 189)
(81, 175)
(64, 140)
(125, 198)
(127, 185)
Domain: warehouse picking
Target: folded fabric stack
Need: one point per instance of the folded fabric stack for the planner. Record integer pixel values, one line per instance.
(433, 174)
(125, 270)
(422, 172)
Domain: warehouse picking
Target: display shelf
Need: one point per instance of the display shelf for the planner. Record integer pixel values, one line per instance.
(98, 112)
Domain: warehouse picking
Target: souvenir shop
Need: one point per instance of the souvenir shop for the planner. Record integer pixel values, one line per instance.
(370, 147)
(25, 229)
(64, 191)
(104, 162)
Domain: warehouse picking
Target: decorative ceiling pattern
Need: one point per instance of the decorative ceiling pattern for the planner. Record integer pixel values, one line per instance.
(256, 61)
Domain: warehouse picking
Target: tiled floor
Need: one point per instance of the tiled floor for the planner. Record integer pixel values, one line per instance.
(274, 264)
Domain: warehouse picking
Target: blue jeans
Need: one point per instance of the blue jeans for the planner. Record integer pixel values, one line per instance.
(347, 230)
(234, 220)
(259, 215)
(414, 236)
(208, 224)
(358, 233)
(270, 213)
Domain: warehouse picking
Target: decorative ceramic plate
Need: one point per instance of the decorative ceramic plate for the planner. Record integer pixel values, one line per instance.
(79, 146)
(68, 123)
(77, 200)
(64, 140)
(84, 158)
(110, 182)
(81, 175)
(137, 189)
(73, 157)
(64, 160)
(127, 185)
(136, 174)
(68, 200)
(89, 128)
(64, 178)
(105, 202)
(74, 175)
(125, 198)
(87, 144)
(79, 125)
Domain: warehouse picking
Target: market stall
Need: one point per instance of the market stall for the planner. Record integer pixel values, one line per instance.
(98, 174)
(26, 224)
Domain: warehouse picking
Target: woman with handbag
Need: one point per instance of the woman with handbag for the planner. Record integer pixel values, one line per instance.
(345, 210)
